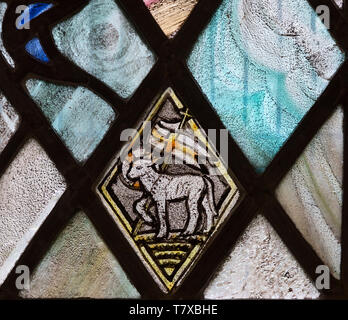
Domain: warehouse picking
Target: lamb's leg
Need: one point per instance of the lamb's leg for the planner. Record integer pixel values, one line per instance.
(192, 203)
(161, 208)
(209, 215)
(142, 209)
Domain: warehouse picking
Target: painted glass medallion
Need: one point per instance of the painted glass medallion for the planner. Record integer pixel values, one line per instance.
(101, 41)
(262, 64)
(312, 195)
(170, 14)
(169, 191)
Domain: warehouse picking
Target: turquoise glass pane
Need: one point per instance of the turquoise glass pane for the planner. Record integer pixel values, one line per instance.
(262, 64)
(79, 117)
(100, 40)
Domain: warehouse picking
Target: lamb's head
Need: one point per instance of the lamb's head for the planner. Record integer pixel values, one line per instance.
(139, 168)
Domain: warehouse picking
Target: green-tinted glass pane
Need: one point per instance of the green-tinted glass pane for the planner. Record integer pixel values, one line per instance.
(79, 265)
(311, 193)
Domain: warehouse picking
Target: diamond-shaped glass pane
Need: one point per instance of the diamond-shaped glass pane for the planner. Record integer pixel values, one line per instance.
(30, 188)
(262, 64)
(170, 14)
(168, 190)
(311, 193)
(101, 40)
(261, 267)
(79, 116)
(79, 265)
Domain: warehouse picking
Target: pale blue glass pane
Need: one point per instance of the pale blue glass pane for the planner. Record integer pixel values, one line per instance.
(100, 40)
(79, 117)
(262, 64)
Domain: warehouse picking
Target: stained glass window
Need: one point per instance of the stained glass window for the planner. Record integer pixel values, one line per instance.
(173, 149)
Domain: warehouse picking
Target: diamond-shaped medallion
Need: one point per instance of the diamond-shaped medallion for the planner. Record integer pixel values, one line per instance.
(169, 191)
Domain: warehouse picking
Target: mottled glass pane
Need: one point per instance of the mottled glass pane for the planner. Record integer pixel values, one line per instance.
(263, 64)
(9, 122)
(339, 3)
(169, 191)
(100, 40)
(29, 189)
(169, 14)
(79, 265)
(311, 193)
(260, 267)
(5, 54)
(79, 116)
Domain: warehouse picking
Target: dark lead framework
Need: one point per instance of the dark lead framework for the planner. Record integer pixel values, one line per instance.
(87, 163)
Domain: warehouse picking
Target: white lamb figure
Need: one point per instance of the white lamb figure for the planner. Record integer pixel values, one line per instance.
(194, 189)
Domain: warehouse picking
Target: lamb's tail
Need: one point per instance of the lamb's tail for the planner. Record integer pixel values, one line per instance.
(210, 195)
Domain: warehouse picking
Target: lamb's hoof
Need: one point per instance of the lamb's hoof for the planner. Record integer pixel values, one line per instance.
(148, 220)
(161, 235)
(187, 233)
(208, 230)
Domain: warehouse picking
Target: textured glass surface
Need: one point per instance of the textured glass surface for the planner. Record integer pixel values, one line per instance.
(79, 265)
(260, 267)
(311, 193)
(262, 64)
(100, 40)
(34, 48)
(339, 3)
(169, 14)
(168, 207)
(9, 122)
(5, 54)
(29, 189)
(79, 116)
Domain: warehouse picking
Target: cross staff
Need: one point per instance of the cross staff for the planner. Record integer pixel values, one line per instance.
(172, 139)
